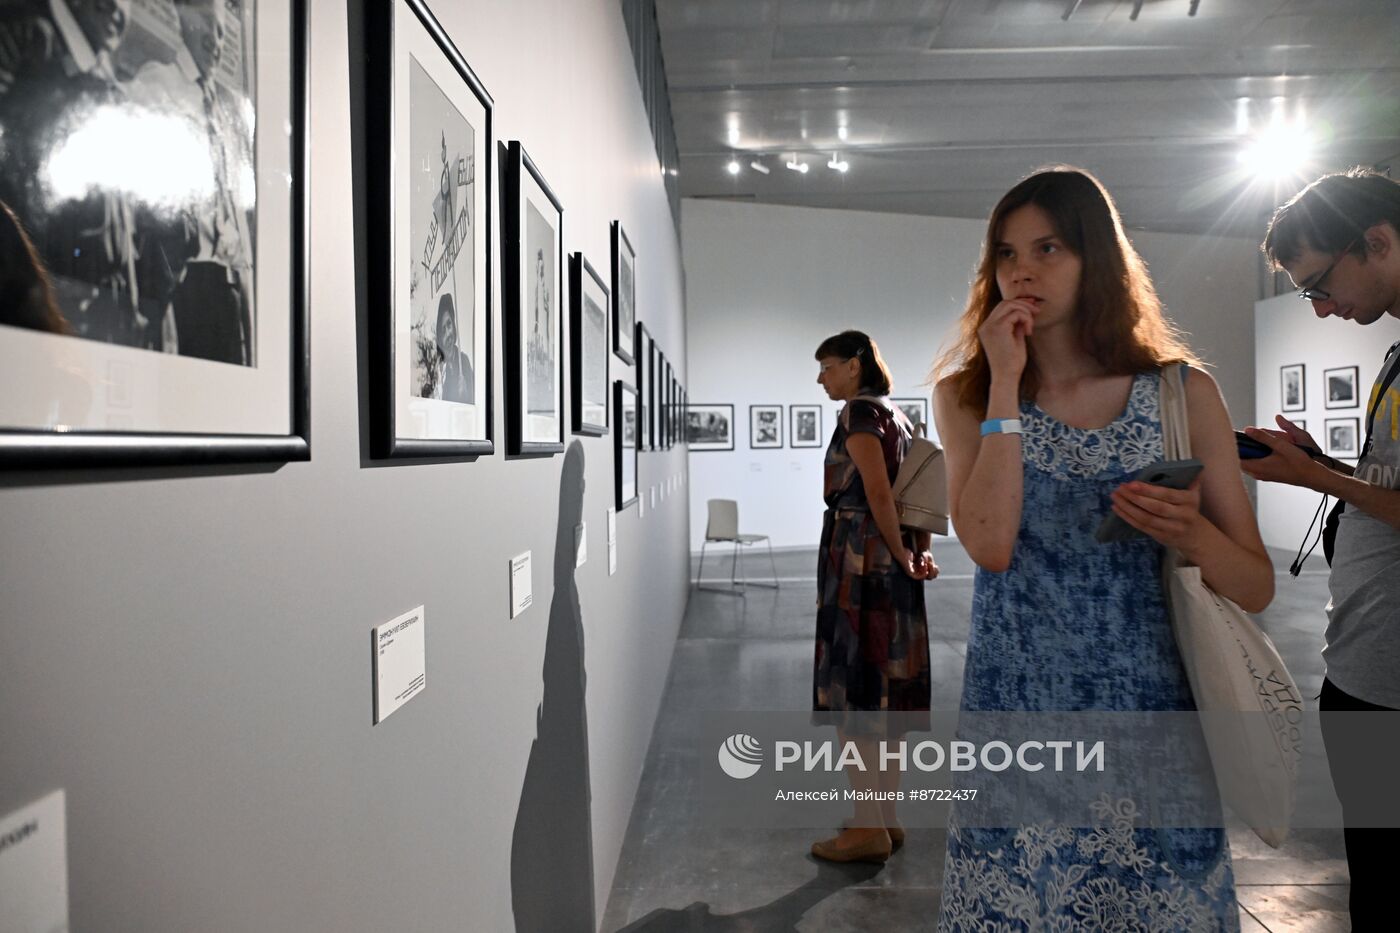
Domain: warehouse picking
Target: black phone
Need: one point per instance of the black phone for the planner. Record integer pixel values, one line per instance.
(1173, 474)
(1250, 449)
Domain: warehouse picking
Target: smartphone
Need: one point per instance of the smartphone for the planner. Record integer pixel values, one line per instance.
(1173, 474)
(1250, 449)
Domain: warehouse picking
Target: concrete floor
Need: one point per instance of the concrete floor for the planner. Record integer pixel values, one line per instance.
(754, 652)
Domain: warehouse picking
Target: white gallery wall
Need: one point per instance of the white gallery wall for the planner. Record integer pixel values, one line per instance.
(765, 284)
(1286, 333)
(186, 652)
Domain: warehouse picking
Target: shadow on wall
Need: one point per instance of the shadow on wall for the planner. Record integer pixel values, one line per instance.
(551, 858)
(781, 915)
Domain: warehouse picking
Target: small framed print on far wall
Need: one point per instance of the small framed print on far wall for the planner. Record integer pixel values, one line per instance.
(1342, 439)
(1340, 385)
(806, 425)
(765, 426)
(709, 427)
(1292, 391)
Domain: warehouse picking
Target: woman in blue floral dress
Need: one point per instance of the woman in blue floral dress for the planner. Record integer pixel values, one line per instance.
(1047, 406)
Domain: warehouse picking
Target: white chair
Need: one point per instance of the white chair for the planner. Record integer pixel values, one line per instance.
(723, 525)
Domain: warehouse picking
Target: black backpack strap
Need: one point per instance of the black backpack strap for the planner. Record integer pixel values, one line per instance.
(1329, 530)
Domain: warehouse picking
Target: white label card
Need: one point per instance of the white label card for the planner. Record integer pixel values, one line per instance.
(400, 667)
(612, 557)
(580, 544)
(520, 586)
(612, 525)
(34, 868)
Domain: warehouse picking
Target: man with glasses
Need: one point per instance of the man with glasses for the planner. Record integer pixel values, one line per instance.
(1339, 241)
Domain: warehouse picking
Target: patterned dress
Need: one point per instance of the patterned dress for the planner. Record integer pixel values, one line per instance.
(1078, 625)
(872, 632)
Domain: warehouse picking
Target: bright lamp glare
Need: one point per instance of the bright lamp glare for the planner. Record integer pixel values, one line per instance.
(1278, 152)
(733, 167)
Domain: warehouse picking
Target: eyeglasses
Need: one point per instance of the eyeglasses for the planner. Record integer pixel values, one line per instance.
(826, 366)
(1314, 292)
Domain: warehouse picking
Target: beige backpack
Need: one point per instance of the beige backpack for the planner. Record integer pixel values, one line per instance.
(921, 486)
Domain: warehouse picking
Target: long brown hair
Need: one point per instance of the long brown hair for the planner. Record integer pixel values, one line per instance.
(1118, 313)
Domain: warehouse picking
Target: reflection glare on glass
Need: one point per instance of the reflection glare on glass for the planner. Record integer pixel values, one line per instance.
(160, 159)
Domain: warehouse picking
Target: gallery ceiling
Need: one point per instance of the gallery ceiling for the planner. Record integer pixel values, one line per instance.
(938, 106)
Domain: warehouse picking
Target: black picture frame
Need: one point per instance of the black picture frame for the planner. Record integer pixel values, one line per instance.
(668, 408)
(624, 287)
(654, 361)
(625, 447)
(1293, 387)
(1336, 432)
(675, 411)
(709, 427)
(799, 434)
(915, 408)
(523, 179)
(765, 427)
(681, 415)
(588, 358)
(1341, 387)
(74, 398)
(418, 408)
(646, 375)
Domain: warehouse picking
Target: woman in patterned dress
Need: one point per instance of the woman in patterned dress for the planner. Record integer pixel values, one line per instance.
(872, 634)
(1064, 333)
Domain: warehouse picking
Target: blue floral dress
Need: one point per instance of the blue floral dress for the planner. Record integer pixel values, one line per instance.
(1078, 625)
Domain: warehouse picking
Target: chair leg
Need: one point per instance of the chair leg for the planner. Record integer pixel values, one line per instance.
(700, 573)
(773, 563)
(734, 567)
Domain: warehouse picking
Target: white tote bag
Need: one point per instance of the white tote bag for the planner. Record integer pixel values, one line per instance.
(1253, 710)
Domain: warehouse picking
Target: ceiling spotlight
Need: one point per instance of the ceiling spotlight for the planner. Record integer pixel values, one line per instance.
(1279, 152)
(842, 132)
(733, 167)
(759, 167)
(797, 166)
(837, 163)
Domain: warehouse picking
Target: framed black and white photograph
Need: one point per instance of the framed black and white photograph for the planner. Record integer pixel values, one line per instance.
(1340, 386)
(430, 159)
(646, 386)
(677, 429)
(681, 415)
(155, 241)
(532, 273)
(624, 283)
(1342, 437)
(668, 382)
(915, 409)
(588, 331)
(709, 427)
(1301, 423)
(806, 425)
(625, 444)
(765, 426)
(1292, 393)
(660, 390)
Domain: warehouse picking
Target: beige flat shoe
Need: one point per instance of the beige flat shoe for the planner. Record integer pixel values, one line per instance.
(876, 847)
(896, 833)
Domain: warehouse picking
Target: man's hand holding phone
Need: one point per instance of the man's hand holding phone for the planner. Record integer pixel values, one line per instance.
(1293, 457)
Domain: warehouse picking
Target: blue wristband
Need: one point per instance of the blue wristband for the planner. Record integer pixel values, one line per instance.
(1001, 426)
